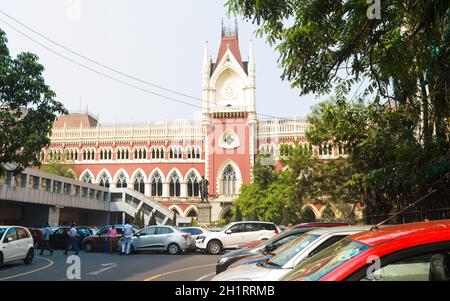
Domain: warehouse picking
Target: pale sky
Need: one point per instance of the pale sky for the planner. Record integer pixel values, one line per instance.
(157, 41)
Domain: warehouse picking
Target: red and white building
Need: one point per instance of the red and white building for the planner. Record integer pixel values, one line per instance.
(165, 160)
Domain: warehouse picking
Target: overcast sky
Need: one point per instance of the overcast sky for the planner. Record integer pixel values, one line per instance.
(158, 41)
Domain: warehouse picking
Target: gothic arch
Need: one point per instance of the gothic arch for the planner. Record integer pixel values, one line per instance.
(221, 171)
(104, 170)
(116, 176)
(313, 210)
(89, 172)
(190, 209)
(133, 175)
(226, 211)
(186, 176)
(177, 209)
(177, 171)
(150, 177)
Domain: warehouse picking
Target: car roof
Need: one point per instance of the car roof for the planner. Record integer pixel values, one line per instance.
(333, 230)
(248, 222)
(379, 236)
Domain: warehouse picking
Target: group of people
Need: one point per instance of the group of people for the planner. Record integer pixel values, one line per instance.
(74, 243)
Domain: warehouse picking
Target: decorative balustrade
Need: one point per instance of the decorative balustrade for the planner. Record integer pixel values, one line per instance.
(159, 131)
(282, 128)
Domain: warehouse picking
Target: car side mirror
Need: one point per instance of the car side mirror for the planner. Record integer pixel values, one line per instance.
(137, 234)
(228, 232)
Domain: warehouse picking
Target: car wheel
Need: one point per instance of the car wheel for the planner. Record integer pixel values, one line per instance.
(173, 249)
(89, 247)
(30, 257)
(1, 260)
(214, 247)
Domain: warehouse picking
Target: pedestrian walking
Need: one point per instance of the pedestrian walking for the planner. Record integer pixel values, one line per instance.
(72, 240)
(46, 240)
(112, 239)
(127, 237)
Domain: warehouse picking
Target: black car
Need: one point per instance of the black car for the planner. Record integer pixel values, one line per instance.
(266, 247)
(58, 240)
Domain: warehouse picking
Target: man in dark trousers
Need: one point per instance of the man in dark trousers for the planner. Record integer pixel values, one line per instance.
(46, 240)
(72, 239)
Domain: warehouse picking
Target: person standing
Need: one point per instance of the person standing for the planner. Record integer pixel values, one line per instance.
(112, 239)
(46, 241)
(72, 239)
(127, 237)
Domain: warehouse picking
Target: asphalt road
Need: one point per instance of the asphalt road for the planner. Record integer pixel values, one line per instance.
(189, 266)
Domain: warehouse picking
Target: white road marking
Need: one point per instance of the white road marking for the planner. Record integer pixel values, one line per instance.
(205, 276)
(107, 267)
(51, 262)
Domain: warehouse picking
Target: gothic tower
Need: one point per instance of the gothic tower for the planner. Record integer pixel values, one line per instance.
(229, 117)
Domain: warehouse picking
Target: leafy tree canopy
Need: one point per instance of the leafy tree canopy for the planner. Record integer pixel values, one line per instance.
(27, 108)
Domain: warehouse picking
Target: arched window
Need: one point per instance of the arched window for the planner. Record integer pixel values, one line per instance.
(229, 181)
(154, 154)
(104, 180)
(161, 155)
(171, 153)
(174, 185)
(121, 181)
(156, 184)
(193, 185)
(189, 153)
(87, 178)
(139, 183)
(192, 213)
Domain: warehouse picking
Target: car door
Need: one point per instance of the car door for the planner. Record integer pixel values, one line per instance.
(145, 239)
(59, 238)
(163, 237)
(235, 235)
(11, 247)
(99, 238)
(24, 240)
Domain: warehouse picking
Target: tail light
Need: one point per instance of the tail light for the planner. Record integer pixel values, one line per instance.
(276, 231)
(186, 236)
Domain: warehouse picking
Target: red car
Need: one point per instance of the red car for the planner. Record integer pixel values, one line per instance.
(302, 225)
(409, 252)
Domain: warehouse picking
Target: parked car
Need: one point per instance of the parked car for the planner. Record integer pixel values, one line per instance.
(409, 252)
(38, 237)
(16, 243)
(58, 240)
(263, 251)
(299, 226)
(160, 238)
(290, 255)
(96, 241)
(235, 234)
(194, 231)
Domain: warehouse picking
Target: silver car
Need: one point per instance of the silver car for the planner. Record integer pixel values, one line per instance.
(161, 238)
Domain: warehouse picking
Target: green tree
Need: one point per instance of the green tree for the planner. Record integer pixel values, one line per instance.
(59, 167)
(237, 214)
(334, 44)
(27, 109)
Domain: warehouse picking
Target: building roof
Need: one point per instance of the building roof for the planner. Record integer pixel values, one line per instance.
(229, 40)
(73, 120)
(382, 235)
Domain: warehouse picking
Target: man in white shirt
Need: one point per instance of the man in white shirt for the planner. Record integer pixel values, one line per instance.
(72, 239)
(127, 237)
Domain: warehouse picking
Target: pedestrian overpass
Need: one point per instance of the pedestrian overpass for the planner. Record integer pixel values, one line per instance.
(33, 198)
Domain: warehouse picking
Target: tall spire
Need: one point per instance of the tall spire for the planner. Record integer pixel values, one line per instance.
(251, 56)
(205, 54)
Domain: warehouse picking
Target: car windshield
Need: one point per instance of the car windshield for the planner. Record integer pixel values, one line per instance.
(324, 262)
(289, 250)
(2, 230)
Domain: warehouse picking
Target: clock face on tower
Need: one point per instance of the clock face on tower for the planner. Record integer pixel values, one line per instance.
(229, 91)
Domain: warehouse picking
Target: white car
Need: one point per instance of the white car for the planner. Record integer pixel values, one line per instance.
(289, 255)
(235, 234)
(16, 243)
